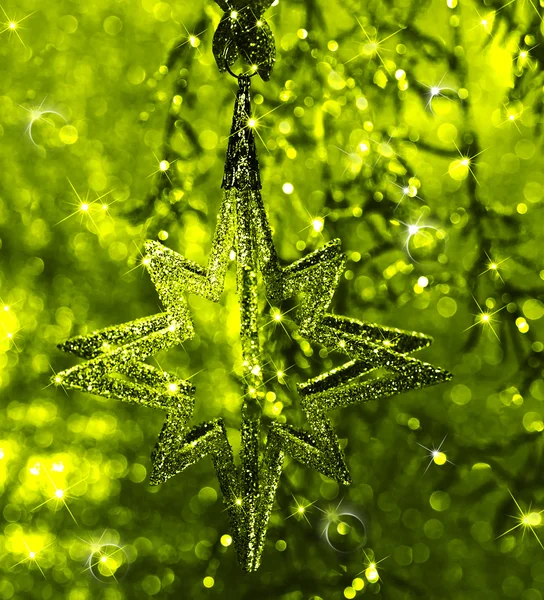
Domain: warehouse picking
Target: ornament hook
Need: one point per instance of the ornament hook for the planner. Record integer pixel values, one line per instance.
(243, 32)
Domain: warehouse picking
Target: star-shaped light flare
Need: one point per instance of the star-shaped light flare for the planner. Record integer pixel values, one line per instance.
(493, 267)
(373, 46)
(13, 25)
(526, 520)
(437, 455)
(485, 318)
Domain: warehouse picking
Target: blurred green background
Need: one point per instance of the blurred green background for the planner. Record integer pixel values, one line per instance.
(412, 131)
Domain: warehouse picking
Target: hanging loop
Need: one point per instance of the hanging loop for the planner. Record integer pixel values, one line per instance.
(230, 71)
(244, 33)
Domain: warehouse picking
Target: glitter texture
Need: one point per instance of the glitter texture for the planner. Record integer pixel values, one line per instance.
(115, 356)
(243, 32)
(248, 491)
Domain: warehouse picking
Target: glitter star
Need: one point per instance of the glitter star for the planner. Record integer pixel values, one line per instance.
(248, 491)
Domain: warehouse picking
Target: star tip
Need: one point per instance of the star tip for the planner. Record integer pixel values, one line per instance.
(157, 476)
(448, 376)
(150, 245)
(65, 346)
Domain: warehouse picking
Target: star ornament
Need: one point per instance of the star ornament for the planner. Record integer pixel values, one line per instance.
(115, 357)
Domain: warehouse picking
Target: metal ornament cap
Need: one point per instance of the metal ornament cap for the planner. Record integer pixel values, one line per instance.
(243, 32)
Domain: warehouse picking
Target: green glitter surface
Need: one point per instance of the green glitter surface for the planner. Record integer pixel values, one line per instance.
(411, 132)
(248, 492)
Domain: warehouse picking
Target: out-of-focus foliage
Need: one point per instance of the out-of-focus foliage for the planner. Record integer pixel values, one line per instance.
(411, 130)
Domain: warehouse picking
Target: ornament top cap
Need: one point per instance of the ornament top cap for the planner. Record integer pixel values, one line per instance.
(243, 32)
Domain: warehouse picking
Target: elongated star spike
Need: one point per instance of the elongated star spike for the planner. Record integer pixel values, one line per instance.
(241, 165)
(249, 490)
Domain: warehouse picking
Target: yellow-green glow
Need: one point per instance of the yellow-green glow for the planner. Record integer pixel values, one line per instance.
(532, 519)
(318, 224)
(439, 125)
(439, 458)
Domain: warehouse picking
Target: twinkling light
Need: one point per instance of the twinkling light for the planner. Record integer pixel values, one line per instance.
(485, 318)
(436, 90)
(407, 191)
(371, 568)
(414, 229)
(193, 39)
(318, 224)
(354, 159)
(142, 261)
(338, 517)
(278, 317)
(437, 455)
(465, 161)
(485, 21)
(105, 558)
(59, 494)
(383, 150)
(524, 59)
(13, 25)
(300, 510)
(11, 335)
(83, 206)
(163, 167)
(373, 46)
(254, 121)
(38, 114)
(493, 267)
(512, 116)
(56, 381)
(31, 557)
(526, 520)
